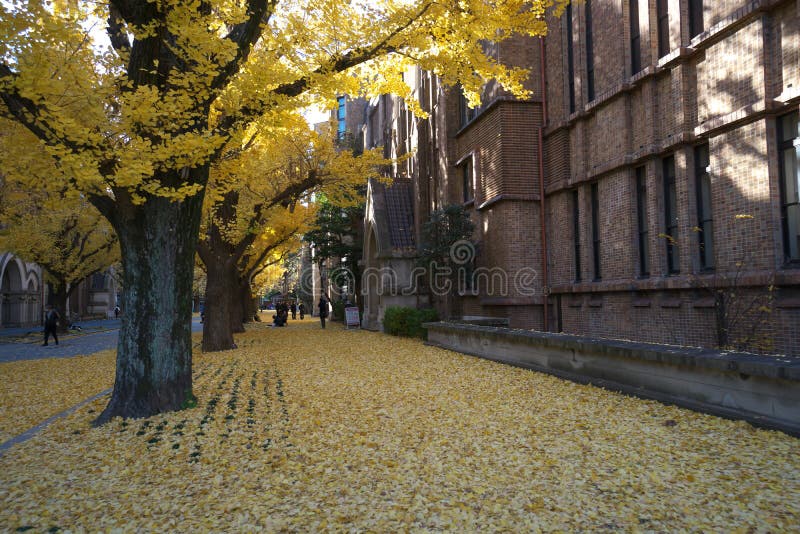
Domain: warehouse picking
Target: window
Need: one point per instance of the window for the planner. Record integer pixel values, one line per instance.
(576, 234)
(375, 137)
(670, 214)
(98, 281)
(467, 113)
(695, 18)
(789, 138)
(570, 61)
(595, 231)
(467, 180)
(662, 21)
(340, 118)
(641, 222)
(636, 40)
(589, 53)
(704, 221)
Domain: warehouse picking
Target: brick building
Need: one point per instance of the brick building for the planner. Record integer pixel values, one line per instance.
(647, 190)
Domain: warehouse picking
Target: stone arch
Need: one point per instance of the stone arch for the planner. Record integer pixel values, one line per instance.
(11, 287)
(12, 276)
(371, 286)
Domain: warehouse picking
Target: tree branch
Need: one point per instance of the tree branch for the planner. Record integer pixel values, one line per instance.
(119, 39)
(245, 35)
(334, 65)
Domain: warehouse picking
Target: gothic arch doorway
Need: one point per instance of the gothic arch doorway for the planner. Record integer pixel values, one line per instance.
(11, 289)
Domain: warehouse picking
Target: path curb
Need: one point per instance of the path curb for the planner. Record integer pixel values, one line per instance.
(28, 434)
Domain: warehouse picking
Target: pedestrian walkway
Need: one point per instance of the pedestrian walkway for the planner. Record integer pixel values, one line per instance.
(301, 429)
(25, 332)
(95, 336)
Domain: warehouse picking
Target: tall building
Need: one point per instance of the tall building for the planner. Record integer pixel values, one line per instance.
(647, 190)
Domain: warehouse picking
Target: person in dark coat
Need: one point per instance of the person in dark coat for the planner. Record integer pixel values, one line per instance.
(302, 310)
(323, 310)
(294, 310)
(51, 318)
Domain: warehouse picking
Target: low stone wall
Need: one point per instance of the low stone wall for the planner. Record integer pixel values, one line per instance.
(763, 390)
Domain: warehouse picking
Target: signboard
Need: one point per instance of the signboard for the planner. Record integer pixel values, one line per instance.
(351, 317)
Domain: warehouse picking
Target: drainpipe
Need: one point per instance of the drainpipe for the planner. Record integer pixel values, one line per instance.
(545, 288)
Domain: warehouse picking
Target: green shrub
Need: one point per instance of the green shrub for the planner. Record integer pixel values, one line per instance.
(407, 322)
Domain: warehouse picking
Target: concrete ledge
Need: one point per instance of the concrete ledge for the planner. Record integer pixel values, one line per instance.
(764, 390)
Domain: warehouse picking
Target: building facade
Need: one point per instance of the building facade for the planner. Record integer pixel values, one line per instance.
(24, 294)
(21, 292)
(648, 188)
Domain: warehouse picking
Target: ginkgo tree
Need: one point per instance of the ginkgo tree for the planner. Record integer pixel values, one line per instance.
(259, 198)
(49, 224)
(137, 124)
(71, 241)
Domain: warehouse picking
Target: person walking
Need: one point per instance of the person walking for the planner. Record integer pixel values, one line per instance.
(302, 310)
(51, 318)
(294, 310)
(323, 310)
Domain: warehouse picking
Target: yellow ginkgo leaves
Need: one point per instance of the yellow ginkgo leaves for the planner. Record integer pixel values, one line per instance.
(301, 429)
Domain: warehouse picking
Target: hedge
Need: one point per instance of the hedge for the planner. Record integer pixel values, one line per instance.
(407, 322)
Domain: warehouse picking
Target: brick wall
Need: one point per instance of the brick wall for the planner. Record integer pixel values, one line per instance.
(715, 89)
(714, 93)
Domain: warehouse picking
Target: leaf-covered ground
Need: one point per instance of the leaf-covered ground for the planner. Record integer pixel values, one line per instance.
(33, 390)
(306, 430)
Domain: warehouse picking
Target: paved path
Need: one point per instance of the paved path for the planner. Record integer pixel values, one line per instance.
(96, 336)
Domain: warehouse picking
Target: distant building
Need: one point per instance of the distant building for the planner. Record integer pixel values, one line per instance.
(652, 172)
(21, 292)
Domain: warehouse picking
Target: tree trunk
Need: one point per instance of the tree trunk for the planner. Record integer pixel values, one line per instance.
(249, 307)
(221, 287)
(60, 296)
(238, 316)
(154, 353)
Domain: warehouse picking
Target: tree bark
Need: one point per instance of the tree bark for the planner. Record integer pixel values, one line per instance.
(238, 316)
(221, 286)
(60, 296)
(248, 301)
(154, 354)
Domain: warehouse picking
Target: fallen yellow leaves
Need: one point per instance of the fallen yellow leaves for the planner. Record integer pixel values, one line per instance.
(33, 390)
(301, 429)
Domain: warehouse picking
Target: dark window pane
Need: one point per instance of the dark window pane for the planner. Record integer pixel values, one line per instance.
(589, 53)
(793, 232)
(695, 17)
(641, 211)
(704, 212)
(671, 215)
(595, 231)
(570, 60)
(576, 234)
(662, 21)
(790, 185)
(468, 184)
(636, 51)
